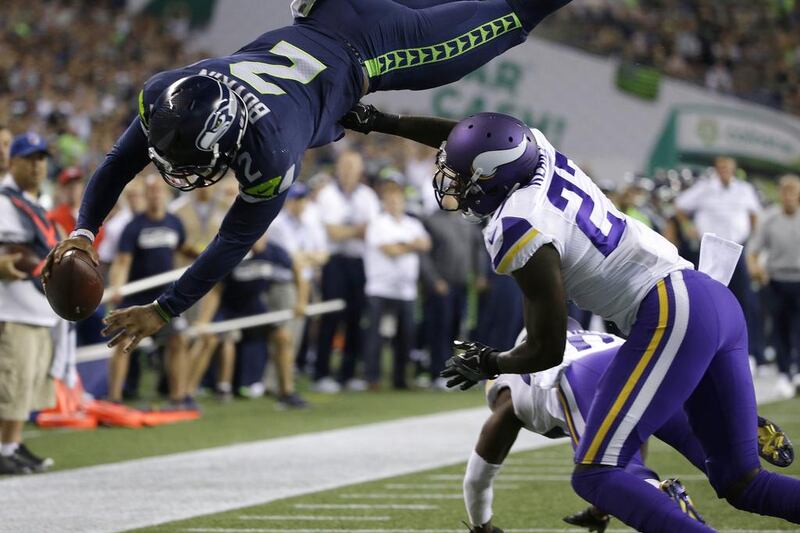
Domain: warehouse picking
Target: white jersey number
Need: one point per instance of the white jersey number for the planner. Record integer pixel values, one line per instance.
(304, 69)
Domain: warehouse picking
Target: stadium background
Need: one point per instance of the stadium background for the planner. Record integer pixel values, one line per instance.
(634, 100)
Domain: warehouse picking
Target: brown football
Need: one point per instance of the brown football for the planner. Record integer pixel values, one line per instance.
(27, 262)
(75, 286)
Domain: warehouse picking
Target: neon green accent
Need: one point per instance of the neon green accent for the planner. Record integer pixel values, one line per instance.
(265, 190)
(415, 57)
(141, 108)
(161, 311)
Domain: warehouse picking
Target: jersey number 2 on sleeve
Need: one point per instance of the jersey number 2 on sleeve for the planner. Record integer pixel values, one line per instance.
(304, 69)
(604, 242)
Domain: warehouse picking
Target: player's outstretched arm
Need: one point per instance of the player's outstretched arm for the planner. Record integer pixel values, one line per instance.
(431, 131)
(127, 158)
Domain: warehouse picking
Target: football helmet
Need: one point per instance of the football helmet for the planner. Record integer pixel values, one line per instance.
(195, 130)
(484, 160)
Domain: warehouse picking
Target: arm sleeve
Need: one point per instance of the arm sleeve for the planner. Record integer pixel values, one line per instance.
(242, 226)
(127, 158)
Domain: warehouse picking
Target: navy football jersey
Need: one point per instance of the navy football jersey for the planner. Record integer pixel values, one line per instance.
(296, 83)
(244, 287)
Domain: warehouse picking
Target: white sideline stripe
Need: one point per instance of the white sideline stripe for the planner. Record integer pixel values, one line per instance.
(315, 518)
(367, 506)
(122, 496)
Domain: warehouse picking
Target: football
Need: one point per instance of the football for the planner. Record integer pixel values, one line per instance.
(28, 261)
(75, 286)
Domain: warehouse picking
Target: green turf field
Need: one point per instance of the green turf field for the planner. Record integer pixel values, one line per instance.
(533, 493)
(240, 421)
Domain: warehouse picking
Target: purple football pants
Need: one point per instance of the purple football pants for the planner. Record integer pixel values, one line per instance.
(687, 353)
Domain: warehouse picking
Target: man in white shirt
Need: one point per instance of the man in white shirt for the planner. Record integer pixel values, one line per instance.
(729, 207)
(26, 345)
(132, 205)
(391, 263)
(346, 208)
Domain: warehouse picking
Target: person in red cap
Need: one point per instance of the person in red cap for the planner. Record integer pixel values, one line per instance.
(70, 192)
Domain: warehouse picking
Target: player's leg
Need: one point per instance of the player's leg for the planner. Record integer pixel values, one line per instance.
(404, 48)
(722, 412)
(647, 381)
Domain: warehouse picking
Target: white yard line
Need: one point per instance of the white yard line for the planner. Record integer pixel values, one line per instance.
(400, 496)
(442, 486)
(314, 518)
(145, 492)
(369, 506)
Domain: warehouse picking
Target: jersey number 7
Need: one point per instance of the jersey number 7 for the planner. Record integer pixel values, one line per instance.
(304, 69)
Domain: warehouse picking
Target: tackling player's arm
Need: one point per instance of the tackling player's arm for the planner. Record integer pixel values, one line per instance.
(497, 436)
(431, 131)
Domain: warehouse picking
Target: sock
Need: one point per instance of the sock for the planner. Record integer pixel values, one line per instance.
(633, 501)
(8, 449)
(224, 387)
(772, 495)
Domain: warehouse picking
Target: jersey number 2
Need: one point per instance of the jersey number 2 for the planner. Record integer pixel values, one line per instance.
(304, 69)
(604, 242)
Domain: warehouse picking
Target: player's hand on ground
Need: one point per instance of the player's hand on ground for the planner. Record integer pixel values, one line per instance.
(8, 272)
(70, 243)
(131, 325)
(468, 365)
(361, 118)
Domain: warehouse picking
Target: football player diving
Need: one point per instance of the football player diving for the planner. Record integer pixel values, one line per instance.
(555, 403)
(550, 227)
(257, 111)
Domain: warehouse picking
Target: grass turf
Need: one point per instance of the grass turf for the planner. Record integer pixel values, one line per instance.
(533, 491)
(239, 421)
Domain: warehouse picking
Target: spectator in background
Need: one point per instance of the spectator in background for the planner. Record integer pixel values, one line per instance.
(243, 293)
(346, 208)
(5, 150)
(727, 206)
(778, 237)
(64, 215)
(147, 247)
(201, 213)
(394, 241)
(298, 231)
(457, 255)
(26, 345)
(132, 205)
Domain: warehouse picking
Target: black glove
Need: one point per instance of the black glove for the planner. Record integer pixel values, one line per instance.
(472, 362)
(361, 118)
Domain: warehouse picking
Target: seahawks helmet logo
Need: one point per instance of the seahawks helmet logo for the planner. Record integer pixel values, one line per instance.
(218, 124)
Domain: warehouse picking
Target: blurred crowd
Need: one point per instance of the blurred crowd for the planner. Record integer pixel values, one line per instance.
(72, 69)
(747, 49)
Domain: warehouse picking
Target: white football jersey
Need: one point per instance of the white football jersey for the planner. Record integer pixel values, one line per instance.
(535, 396)
(609, 261)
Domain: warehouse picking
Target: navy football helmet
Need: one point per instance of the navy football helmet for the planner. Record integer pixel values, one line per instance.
(485, 159)
(195, 130)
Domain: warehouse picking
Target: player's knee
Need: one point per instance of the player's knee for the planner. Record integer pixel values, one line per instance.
(732, 492)
(587, 480)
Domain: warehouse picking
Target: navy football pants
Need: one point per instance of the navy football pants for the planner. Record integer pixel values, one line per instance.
(420, 44)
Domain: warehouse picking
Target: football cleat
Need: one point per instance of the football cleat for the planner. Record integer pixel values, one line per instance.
(482, 529)
(588, 519)
(773, 444)
(677, 492)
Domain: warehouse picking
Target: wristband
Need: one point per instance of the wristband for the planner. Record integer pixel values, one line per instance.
(161, 311)
(489, 364)
(82, 232)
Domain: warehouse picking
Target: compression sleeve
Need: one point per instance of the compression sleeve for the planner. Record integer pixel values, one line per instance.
(127, 158)
(478, 491)
(241, 228)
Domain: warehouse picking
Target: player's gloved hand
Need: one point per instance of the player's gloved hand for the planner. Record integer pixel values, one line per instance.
(472, 362)
(361, 118)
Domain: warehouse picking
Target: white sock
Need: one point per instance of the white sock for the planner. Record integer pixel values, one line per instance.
(8, 449)
(654, 482)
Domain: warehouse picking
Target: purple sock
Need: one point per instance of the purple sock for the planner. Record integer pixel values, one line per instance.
(633, 501)
(772, 495)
